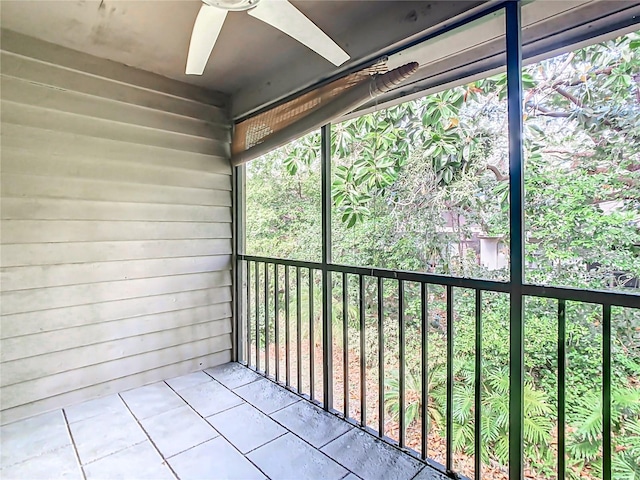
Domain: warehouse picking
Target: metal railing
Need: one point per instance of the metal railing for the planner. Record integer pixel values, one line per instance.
(264, 290)
(257, 306)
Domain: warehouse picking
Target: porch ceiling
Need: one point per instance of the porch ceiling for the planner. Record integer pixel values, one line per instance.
(252, 61)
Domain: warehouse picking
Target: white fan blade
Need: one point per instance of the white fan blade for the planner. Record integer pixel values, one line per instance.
(285, 17)
(205, 33)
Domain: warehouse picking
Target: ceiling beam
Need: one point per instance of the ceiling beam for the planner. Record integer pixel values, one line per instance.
(398, 24)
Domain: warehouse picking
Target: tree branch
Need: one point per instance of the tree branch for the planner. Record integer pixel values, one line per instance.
(554, 114)
(579, 81)
(545, 112)
(499, 176)
(568, 152)
(572, 98)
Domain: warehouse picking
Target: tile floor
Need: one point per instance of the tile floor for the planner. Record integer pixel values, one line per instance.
(224, 423)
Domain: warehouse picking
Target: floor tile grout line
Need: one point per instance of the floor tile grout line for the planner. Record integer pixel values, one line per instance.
(418, 472)
(232, 390)
(190, 386)
(113, 453)
(219, 433)
(293, 433)
(361, 428)
(140, 419)
(127, 410)
(237, 386)
(350, 473)
(386, 446)
(225, 409)
(28, 459)
(336, 438)
(164, 460)
(194, 446)
(321, 412)
(352, 427)
(73, 443)
(243, 401)
(269, 415)
(266, 443)
(177, 392)
(279, 409)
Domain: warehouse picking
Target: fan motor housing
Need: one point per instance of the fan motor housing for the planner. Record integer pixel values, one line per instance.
(233, 5)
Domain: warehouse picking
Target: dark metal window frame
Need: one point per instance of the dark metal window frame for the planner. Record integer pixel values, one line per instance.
(516, 287)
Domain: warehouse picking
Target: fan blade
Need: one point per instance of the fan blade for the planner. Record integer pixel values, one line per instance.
(285, 17)
(205, 33)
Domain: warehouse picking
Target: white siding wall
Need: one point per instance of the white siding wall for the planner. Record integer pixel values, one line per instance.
(116, 228)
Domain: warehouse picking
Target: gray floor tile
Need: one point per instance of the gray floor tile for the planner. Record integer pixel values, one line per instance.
(178, 430)
(311, 423)
(93, 408)
(370, 458)
(188, 381)
(61, 463)
(111, 444)
(246, 427)
(288, 457)
(266, 395)
(103, 435)
(233, 375)
(34, 436)
(210, 398)
(151, 400)
(429, 473)
(140, 462)
(214, 459)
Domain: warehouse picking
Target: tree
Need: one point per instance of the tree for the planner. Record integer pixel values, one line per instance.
(396, 171)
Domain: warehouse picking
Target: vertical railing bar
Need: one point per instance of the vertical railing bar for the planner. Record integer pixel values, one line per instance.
(266, 318)
(287, 327)
(299, 328)
(424, 317)
(276, 317)
(327, 280)
(478, 390)
(401, 354)
(449, 409)
(345, 343)
(516, 241)
(363, 365)
(380, 358)
(257, 300)
(606, 392)
(562, 380)
(327, 340)
(248, 319)
(311, 340)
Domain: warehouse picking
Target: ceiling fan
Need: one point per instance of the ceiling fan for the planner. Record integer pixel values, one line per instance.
(278, 13)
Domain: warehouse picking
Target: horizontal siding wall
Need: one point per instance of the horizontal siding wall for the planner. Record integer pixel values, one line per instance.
(116, 228)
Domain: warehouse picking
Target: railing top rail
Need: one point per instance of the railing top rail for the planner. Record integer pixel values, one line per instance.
(601, 297)
(418, 277)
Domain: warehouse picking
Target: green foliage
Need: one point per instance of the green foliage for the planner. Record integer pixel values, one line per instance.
(495, 411)
(397, 170)
(413, 395)
(412, 183)
(626, 461)
(585, 441)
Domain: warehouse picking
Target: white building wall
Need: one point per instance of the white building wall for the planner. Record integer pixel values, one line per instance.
(116, 228)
